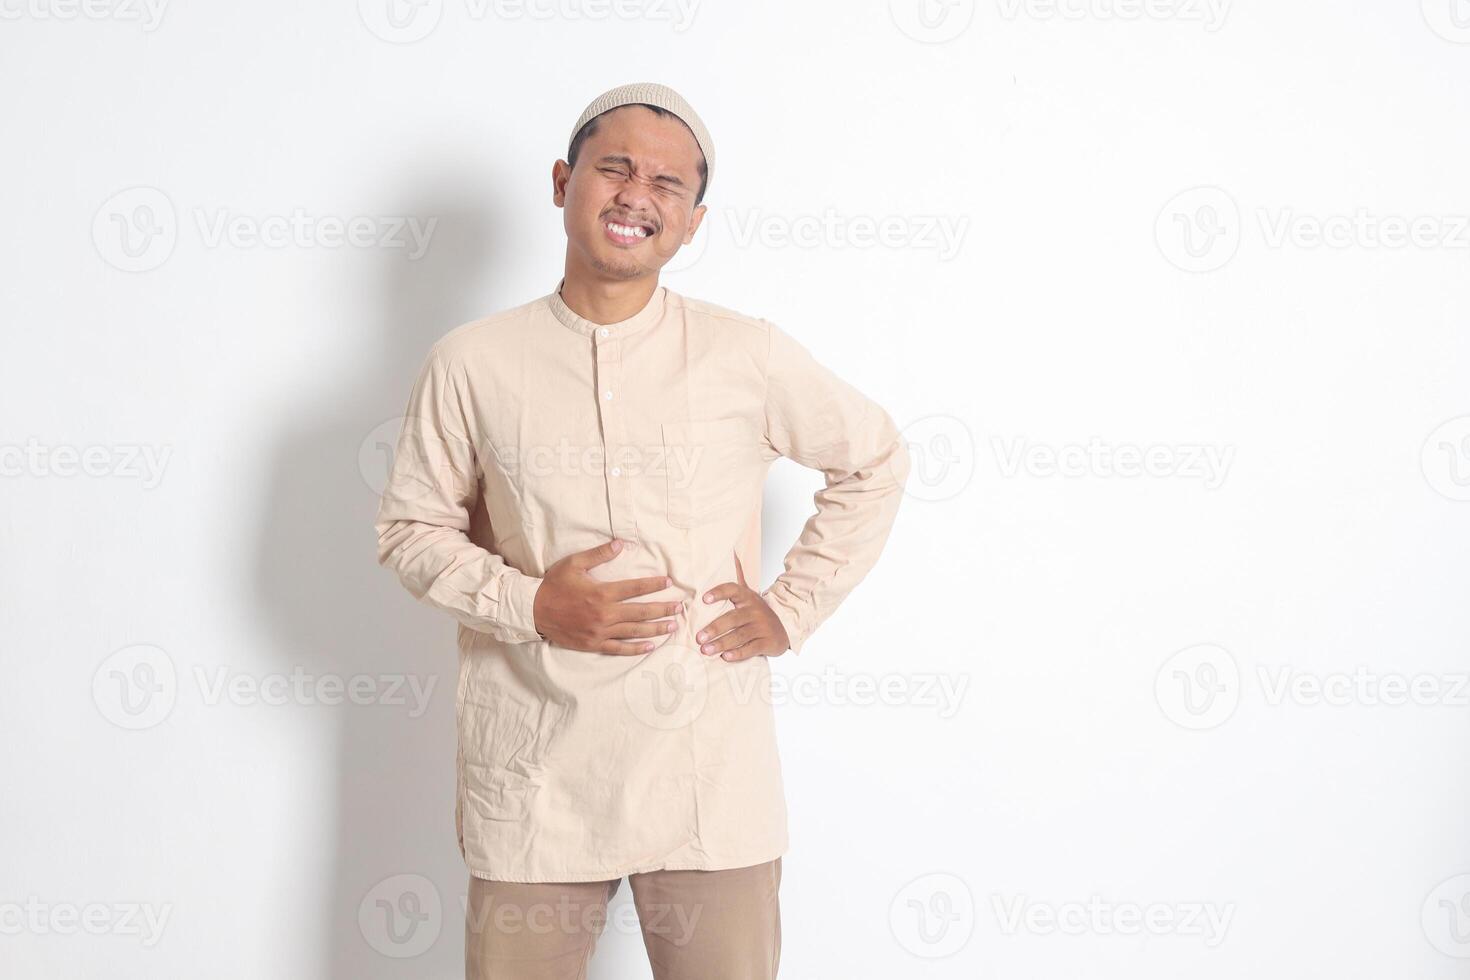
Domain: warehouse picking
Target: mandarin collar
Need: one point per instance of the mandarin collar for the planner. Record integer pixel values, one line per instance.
(572, 320)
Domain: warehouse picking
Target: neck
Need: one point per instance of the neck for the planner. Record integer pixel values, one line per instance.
(604, 300)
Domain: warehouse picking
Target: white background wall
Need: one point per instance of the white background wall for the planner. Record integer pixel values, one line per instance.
(1135, 724)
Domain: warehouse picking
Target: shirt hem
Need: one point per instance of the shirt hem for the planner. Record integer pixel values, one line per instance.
(612, 873)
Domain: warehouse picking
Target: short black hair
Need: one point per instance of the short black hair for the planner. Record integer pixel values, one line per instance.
(590, 127)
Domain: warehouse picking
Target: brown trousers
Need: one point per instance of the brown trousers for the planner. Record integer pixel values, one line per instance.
(696, 925)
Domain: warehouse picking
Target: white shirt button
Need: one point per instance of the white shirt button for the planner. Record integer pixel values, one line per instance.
(617, 471)
(607, 396)
(603, 332)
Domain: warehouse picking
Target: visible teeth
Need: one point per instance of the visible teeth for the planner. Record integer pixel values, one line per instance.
(627, 230)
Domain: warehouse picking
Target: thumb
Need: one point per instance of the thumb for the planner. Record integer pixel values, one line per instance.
(601, 553)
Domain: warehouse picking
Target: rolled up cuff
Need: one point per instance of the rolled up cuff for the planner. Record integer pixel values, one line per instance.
(517, 610)
(787, 616)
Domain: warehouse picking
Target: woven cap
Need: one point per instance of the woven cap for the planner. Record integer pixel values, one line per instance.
(652, 93)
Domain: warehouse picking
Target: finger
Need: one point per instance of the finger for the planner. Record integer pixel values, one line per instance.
(736, 637)
(726, 590)
(629, 587)
(624, 648)
(641, 631)
(637, 612)
(596, 556)
(723, 624)
(755, 648)
(740, 573)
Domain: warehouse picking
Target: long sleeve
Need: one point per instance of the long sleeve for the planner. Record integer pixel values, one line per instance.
(818, 420)
(425, 512)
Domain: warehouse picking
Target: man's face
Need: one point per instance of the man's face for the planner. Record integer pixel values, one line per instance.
(637, 171)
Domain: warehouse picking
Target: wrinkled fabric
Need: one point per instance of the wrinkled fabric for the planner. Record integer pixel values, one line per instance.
(535, 433)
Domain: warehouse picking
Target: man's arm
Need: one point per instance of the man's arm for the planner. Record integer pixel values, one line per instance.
(421, 524)
(425, 512)
(822, 422)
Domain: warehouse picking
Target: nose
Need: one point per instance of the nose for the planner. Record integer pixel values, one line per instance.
(633, 197)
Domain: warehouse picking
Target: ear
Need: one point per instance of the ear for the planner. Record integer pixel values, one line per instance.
(561, 172)
(694, 221)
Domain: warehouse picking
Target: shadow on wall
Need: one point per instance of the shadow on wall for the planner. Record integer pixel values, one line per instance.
(335, 612)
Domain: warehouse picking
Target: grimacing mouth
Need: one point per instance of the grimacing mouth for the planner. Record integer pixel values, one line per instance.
(636, 223)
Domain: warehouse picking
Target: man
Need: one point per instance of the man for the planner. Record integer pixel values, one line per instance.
(578, 483)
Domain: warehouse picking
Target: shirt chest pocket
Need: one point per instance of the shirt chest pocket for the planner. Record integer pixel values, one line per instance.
(710, 466)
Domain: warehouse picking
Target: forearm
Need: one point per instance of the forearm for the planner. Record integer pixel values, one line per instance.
(424, 516)
(841, 542)
(442, 567)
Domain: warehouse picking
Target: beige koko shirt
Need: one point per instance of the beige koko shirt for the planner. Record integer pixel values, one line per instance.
(535, 433)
